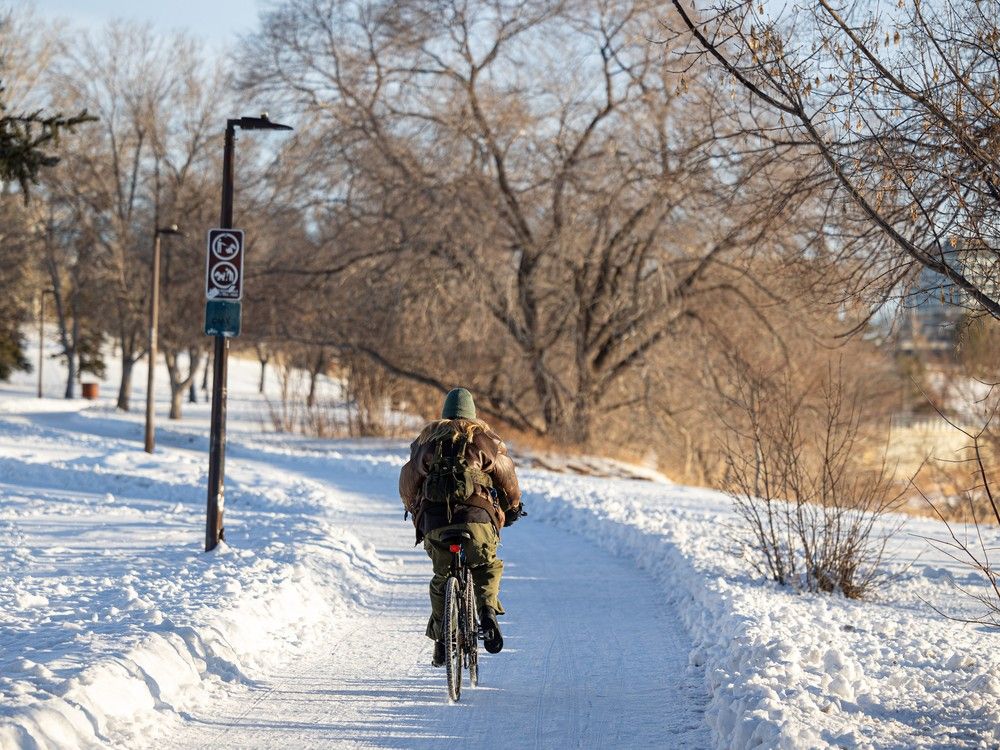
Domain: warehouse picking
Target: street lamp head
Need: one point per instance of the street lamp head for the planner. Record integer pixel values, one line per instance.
(259, 123)
(171, 229)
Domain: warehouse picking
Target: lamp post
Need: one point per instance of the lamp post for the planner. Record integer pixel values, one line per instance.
(154, 318)
(41, 335)
(214, 530)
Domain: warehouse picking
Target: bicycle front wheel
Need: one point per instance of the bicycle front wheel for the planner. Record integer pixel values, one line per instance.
(471, 630)
(453, 637)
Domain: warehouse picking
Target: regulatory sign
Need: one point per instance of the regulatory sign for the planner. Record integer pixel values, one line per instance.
(224, 271)
(223, 318)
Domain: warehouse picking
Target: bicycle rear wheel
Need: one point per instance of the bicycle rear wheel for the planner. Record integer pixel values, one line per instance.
(471, 630)
(453, 638)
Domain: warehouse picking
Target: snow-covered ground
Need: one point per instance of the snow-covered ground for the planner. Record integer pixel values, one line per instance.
(630, 622)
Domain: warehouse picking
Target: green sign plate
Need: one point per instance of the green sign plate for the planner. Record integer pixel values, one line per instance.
(223, 318)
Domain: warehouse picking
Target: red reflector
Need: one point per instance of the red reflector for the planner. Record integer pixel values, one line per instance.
(455, 548)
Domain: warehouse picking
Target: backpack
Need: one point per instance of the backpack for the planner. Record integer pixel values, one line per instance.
(450, 479)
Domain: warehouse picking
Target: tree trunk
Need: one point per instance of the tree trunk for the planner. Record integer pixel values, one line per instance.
(176, 398)
(71, 374)
(572, 425)
(173, 374)
(264, 356)
(582, 420)
(193, 387)
(69, 331)
(129, 344)
(179, 385)
(209, 365)
(553, 413)
(71, 360)
(319, 365)
(125, 386)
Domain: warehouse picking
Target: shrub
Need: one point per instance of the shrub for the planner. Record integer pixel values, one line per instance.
(811, 516)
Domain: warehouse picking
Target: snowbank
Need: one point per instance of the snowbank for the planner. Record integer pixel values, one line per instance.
(796, 671)
(123, 697)
(113, 621)
(115, 626)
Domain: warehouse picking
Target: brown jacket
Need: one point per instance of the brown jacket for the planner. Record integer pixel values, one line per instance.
(485, 451)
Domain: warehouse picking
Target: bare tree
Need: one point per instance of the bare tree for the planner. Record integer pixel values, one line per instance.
(186, 168)
(138, 84)
(179, 380)
(812, 516)
(182, 339)
(969, 541)
(893, 112)
(554, 221)
(690, 403)
(107, 178)
(68, 261)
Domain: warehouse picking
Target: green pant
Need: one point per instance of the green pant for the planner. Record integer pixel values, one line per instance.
(481, 557)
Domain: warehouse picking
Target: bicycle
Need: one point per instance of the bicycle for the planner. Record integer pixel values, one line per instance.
(460, 627)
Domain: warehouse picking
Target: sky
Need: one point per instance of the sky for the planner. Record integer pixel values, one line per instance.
(218, 22)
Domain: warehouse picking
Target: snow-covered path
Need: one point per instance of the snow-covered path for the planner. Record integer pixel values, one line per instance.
(631, 622)
(593, 657)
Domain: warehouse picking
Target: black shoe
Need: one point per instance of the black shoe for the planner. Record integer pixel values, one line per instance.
(492, 639)
(439, 655)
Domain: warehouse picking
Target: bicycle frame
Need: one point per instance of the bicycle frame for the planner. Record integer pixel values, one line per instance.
(458, 565)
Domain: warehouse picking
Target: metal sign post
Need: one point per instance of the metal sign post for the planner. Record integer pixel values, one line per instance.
(214, 530)
(224, 291)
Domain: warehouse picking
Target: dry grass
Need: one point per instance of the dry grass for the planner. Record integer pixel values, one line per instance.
(934, 460)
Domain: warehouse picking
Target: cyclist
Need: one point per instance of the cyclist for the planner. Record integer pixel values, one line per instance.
(460, 478)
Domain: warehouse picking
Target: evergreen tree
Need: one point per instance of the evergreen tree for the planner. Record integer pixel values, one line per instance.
(27, 141)
(15, 286)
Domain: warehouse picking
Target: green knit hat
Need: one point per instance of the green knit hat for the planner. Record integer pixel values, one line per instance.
(458, 404)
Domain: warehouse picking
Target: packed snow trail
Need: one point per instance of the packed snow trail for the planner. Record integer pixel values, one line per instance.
(593, 657)
(306, 629)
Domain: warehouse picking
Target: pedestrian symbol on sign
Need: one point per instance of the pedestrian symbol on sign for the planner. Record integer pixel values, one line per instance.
(224, 272)
(226, 246)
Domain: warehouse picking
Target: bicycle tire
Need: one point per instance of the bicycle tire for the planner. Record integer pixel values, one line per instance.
(471, 630)
(453, 637)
